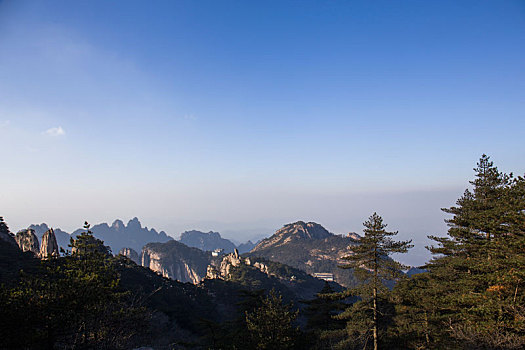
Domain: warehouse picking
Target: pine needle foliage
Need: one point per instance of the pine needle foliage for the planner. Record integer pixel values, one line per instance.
(476, 278)
(271, 325)
(367, 319)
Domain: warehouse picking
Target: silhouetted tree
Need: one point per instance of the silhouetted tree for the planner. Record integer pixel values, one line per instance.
(271, 325)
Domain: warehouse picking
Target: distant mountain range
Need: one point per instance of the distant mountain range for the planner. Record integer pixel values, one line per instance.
(132, 235)
(117, 236)
(306, 246)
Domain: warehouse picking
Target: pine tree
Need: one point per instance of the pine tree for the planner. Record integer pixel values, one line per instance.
(479, 266)
(416, 323)
(321, 318)
(271, 325)
(86, 245)
(321, 310)
(372, 266)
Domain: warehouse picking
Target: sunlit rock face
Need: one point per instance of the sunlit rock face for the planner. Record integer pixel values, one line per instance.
(49, 246)
(28, 241)
(176, 261)
(299, 230)
(229, 261)
(131, 254)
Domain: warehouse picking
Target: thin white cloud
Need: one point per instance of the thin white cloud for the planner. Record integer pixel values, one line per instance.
(4, 124)
(57, 131)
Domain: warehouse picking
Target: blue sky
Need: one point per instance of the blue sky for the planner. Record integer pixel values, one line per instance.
(241, 116)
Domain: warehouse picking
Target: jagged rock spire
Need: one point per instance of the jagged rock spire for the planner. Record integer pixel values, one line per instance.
(49, 246)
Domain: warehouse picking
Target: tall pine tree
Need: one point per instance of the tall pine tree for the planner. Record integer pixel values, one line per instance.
(479, 268)
(373, 266)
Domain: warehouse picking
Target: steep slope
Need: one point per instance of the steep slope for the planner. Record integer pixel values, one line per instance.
(310, 248)
(176, 260)
(206, 241)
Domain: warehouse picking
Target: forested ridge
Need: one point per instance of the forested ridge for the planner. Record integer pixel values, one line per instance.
(469, 297)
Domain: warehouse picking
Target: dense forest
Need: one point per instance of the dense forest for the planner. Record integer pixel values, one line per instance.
(470, 295)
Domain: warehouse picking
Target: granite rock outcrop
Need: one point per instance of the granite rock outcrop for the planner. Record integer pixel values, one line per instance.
(228, 262)
(176, 261)
(49, 245)
(28, 241)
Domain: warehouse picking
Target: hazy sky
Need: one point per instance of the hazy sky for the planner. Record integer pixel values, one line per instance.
(241, 116)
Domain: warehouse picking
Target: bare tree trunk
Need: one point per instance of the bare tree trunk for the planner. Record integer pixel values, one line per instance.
(375, 296)
(427, 338)
(375, 317)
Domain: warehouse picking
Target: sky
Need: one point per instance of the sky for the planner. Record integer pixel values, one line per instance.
(242, 116)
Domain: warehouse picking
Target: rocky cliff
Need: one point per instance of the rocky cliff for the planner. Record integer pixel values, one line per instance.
(28, 242)
(49, 246)
(230, 261)
(176, 261)
(309, 247)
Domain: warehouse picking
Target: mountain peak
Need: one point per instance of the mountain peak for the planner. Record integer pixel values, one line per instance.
(134, 223)
(117, 224)
(206, 241)
(42, 227)
(297, 231)
(305, 230)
